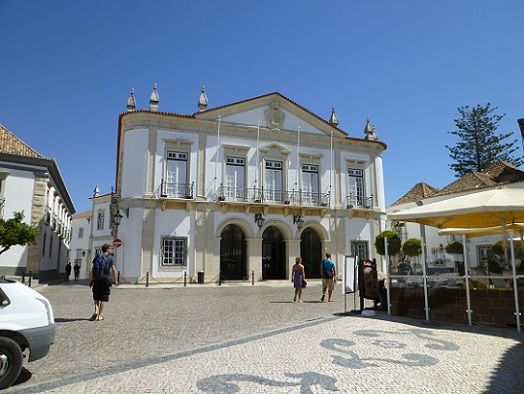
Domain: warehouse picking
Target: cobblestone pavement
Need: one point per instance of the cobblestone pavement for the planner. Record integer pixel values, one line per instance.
(210, 339)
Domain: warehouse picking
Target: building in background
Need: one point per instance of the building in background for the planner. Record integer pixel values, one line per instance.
(238, 191)
(79, 248)
(497, 174)
(33, 184)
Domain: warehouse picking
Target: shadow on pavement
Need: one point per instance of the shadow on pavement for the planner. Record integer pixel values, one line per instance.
(64, 320)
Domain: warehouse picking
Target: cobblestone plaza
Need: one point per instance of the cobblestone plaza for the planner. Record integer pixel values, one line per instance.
(210, 339)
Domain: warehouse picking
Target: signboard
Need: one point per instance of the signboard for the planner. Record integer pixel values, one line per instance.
(349, 281)
(117, 243)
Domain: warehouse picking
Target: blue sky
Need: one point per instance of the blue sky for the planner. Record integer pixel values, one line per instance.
(66, 68)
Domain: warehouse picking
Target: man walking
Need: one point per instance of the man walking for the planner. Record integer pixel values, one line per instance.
(103, 274)
(329, 277)
(68, 270)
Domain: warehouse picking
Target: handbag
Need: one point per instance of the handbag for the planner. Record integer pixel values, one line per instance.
(304, 284)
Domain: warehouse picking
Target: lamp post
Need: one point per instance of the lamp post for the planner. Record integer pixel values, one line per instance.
(298, 220)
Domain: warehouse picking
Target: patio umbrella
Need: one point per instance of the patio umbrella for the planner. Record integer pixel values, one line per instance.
(487, 208)
(479, 232)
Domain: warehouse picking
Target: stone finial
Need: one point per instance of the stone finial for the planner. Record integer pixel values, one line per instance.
(202, 100)
(369, 131)
(333, 119)
(154, 98)
(96, 191)
(131, 101)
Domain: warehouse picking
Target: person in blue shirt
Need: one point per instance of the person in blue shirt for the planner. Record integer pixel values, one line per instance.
(329, 277)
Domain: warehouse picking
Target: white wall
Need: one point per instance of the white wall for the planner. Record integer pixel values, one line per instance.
(134, 165)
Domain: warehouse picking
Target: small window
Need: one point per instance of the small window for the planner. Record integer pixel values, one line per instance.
(174, 251)
(360, 249)
(100, 219)
(80, 232)
(235, 161)
(274, 164)
(177, 155)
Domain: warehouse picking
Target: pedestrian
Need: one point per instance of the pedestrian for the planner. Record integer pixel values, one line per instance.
(76, 270)
(329, 277)
(102, 276)
(298, 277)
(68, 270)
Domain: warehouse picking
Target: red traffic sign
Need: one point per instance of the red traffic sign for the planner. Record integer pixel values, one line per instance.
(117, 243)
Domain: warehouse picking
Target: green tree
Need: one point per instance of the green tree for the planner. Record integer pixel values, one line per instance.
(14, 232)
(393, 243)
(478, 145)
(412, 247)
(455, 247)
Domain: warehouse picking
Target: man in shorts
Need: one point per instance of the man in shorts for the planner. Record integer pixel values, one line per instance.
(103, 274)
(329, 277)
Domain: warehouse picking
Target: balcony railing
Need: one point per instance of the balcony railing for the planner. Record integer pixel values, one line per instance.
(359, 201)
(176, 190)
(263, 195)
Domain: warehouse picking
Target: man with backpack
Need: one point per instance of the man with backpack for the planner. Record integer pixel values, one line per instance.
(103, 274)
(329, 277)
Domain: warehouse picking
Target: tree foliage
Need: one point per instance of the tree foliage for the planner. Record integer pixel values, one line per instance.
(393, 243)
(478, 145)
(455, 247)
(15, 232)
(412, 247)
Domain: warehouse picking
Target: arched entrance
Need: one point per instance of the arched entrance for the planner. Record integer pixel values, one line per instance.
(233, 253)
(273, 254)
(311, 252)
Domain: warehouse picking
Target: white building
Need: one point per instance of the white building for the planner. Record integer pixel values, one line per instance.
(32, 183)
(79, 248)
(240, 190)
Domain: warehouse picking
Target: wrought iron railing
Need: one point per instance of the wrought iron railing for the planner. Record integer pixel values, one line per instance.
(359, 201)
(263, 195)
(176, 190)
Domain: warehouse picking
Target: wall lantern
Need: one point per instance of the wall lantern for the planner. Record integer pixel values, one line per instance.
(259, 220)
(298, 220)
(117, 217)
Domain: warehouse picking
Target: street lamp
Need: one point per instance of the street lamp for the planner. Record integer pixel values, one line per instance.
(117, 218)
(298, 220)
(259, 220)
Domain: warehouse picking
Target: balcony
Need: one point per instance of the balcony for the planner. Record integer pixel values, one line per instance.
(359, 201)
(271, 196)
(176, 190)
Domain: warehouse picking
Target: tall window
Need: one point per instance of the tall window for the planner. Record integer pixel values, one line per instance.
(482, 258)
(355, 187)
(235, 170)
(310, 183)
(274, 180)
(80, 232)
(176, 174)
(50, 245)
(360, 249)
(100, 219)
(174, 251)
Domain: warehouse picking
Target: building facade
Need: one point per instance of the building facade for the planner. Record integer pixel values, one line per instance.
(79, 248)
(238, 191)
(33, 184)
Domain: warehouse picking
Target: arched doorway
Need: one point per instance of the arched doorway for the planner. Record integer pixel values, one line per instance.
(311, 253)
(233, 253)
(273, 254)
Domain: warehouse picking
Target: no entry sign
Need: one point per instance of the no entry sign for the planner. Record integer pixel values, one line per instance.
(117, 243)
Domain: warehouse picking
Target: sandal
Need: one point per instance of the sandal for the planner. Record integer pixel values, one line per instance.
(93, 318)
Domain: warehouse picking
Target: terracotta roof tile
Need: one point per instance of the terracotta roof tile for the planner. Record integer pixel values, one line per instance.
(11, 144)
(418, 192)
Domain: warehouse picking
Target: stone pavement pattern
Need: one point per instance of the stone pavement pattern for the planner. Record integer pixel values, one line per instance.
(244, 339)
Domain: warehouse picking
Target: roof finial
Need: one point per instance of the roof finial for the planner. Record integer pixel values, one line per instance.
(96, 191)
(369, 131)
(131, 101)
(333, 119)
(202, 100)
(154, 98)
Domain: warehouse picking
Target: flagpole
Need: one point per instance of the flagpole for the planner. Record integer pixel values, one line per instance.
(257, 165)
(298, 160)
(216, 156)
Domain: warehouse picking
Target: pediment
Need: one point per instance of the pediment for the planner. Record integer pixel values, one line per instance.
(273, 111)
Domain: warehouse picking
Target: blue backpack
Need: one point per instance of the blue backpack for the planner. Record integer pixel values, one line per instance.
(101, 268)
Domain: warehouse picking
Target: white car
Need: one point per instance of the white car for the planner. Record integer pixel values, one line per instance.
(26, 322)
